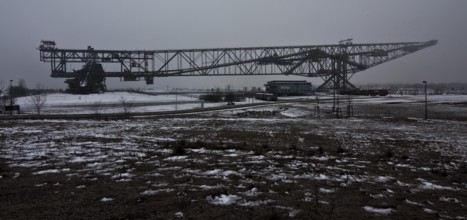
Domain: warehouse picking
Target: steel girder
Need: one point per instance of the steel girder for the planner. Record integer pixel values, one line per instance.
(335, 64)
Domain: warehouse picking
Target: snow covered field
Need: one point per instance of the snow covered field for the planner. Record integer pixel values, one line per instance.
(279, 161)
(207, 166)
(111, 102)
(60, 99)
(387, 99)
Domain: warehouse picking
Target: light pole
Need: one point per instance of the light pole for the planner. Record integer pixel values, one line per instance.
(11, 97)
(426, 101)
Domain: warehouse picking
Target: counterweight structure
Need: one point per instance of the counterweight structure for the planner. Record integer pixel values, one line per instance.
(335, 64)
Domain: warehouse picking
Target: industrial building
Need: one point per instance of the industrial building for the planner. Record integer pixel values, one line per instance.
(288, 88)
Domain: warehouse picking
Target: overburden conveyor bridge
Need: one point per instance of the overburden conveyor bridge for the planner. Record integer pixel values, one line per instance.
(335, 64)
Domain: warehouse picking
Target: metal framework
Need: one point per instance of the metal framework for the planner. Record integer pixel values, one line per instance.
(335, 64)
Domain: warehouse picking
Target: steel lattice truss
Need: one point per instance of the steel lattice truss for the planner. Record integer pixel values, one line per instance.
(335, 64)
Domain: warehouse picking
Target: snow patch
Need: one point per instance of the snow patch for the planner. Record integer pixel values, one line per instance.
(179, 214)
(292, 211)
(380, 211)
(105, 199)
(383, 179)
(255, 203)
(413, 203)
(51, 171)
(431, 186)
(78, 160)
(153, 192)
(223, 199)
(430, 211)
(252, 192)
(176, 158)
(377, 196)
(447, 199)
(206, 187)
(324, 190)
(295, 113)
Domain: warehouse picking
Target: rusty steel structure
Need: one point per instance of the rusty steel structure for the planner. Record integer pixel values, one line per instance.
(335, 64)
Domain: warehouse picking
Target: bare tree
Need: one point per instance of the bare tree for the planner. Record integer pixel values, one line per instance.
(253, 89)
(21, 90)
(126, 105)
(1, 87)
(38, 98)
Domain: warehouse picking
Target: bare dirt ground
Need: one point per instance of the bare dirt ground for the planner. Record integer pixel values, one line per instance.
(269, 163)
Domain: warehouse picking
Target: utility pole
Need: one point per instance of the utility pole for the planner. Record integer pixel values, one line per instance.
(317, 112)
(11, 97)
(334, 99)
(349, 107)
(426, 101)
(176, 99)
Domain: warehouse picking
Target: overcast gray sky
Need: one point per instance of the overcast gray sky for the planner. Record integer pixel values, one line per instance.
(177, 24)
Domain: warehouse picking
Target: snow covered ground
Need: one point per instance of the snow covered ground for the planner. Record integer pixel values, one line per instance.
(385, 99)
(60, 99)
(273, 161)
(297, 165)
(111, 102)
